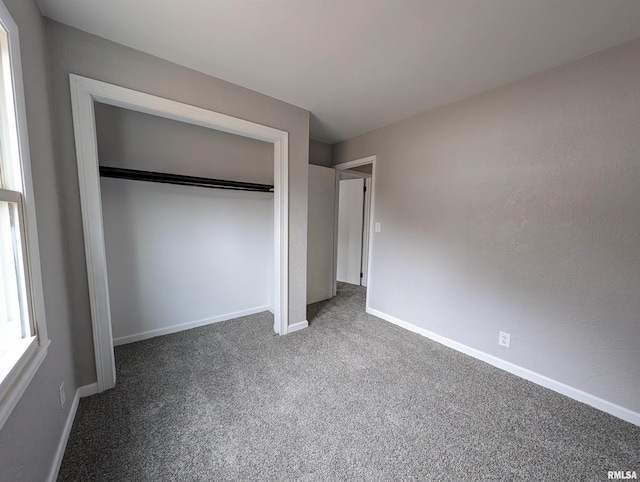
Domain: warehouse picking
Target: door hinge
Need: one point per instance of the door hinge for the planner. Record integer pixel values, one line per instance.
(361, 275)
(364, 189)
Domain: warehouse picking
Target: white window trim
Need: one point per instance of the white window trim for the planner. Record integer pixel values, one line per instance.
(33, 350)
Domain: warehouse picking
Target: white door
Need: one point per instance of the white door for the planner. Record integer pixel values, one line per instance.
(350, 217)
(320, 229)
(365, 231)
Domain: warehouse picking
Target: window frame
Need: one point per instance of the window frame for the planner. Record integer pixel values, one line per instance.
(24, 284)
(27, 358)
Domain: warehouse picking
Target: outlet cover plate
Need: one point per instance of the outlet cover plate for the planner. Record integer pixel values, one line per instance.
(504, 339)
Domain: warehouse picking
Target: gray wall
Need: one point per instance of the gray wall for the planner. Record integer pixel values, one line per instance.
(141, 141)
(75, 51)
(29, 438)
(184, 256)
(517, 210)
(320, 153)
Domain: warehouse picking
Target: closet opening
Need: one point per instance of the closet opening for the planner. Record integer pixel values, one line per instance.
(188, 223)
(86, 97)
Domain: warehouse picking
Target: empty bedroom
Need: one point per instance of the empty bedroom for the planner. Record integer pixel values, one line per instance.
(319, 240)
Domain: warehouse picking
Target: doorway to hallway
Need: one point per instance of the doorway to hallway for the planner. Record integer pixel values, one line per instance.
(355, 185)
(352, 244)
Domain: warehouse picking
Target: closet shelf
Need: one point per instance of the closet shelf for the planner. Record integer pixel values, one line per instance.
(166, 178)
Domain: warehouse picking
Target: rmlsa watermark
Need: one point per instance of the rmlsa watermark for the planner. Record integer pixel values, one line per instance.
(622, 475)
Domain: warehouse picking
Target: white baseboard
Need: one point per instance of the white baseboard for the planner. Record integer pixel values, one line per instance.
(88, 390)
(301, 325)
(81, 392)
(556, 386)
(145, 335)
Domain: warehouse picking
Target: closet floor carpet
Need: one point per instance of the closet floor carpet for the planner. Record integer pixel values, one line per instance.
(351, 397)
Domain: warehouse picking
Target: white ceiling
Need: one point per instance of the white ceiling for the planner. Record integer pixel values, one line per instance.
(359, 64)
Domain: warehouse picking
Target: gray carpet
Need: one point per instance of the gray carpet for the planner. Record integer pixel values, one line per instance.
(351, 397)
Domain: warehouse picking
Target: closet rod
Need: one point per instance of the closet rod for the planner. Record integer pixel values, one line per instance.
(149, 176)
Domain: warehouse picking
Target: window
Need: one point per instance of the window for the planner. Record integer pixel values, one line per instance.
(15, 319)
(23, 339)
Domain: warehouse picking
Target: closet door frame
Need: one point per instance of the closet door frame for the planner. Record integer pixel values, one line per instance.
(84, 92)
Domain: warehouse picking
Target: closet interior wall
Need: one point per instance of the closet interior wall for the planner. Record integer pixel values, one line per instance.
(181, 256)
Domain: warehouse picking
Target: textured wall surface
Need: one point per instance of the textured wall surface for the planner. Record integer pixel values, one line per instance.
(29, 438)
(74, 51)
(320, 153)
(517, 210)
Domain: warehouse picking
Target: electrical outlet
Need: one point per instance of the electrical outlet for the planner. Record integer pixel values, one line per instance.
(377, 227)
(504, 339)
(63, 397)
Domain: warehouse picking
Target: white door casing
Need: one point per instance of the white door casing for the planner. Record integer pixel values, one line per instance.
(84, 92)
(372, 203)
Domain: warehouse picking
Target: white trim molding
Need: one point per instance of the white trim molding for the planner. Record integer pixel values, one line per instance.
(145, 335)
(301, 325)
(64, 438)
(84, 92)
(88, 390)
(81, 392)
(21, 381)
(556, 386)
